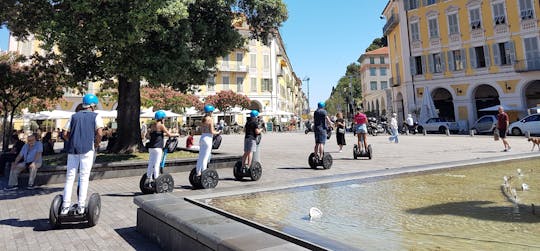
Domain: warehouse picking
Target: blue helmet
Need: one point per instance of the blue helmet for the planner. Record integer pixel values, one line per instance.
(254, 113)
(89, 100)
(160, 115)
(209, 108)
(321, 104)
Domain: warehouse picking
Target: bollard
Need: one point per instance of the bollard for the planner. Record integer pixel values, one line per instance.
(447, 131)
(471, 133)
(407, 132)
(528, 134)
(424, 132)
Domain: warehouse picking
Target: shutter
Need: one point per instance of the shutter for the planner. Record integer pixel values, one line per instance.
(424, 68)
(496, 54)
(463, 59)
(424, 2)
(406, 2)
(450, 57)
(486, 55)
(512, 49)
(443, 62)
(413, 66)
(472, 57)
(430, 63)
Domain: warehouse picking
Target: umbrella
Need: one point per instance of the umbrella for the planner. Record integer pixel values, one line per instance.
(496, 108)
(427, 110)
(107, 114)
(169, 114)
(56, 114)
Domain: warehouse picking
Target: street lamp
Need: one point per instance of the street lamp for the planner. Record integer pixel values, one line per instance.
(307, 80)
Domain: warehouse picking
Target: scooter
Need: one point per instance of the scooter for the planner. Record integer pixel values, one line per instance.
(165, 182)
(209, 177)
(254, 171)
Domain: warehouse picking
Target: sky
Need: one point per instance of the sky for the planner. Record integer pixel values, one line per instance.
(321, 37)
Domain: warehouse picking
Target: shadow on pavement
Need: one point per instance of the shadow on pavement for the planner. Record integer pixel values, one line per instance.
(295, 168)
(23, 192)
(122, 194)
(40, 225)
(136, 240)
(480, 210)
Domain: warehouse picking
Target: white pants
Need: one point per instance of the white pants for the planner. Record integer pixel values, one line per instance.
(153, 162)
(84, 163)
(205, 144)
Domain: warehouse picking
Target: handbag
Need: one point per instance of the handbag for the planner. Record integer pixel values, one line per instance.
(341, 130)
(496, 134)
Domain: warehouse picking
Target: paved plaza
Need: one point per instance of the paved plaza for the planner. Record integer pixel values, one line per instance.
(24, 213)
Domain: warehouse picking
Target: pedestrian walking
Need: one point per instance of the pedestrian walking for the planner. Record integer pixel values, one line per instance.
(502, 126)
(394, 129)
(340, 131)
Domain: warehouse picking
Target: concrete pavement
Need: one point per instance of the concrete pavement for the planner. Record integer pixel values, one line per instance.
(24, 213)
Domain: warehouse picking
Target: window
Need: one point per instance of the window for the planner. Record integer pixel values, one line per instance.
(433, 28)
(225, 60)
(253, 60)
(430, 2)
(253, 85)
(415, 32)
(372, 60)
(476, 22)
(266, 63)
(382, 60)
(437, 63)
(502, 53)
(453, 27)
(418, 65)
(266, 85)
(225, 82)
(526, 9)
(211, 84)
(498, 13)
(456, 60)
(480, 57)
(239, 57)
(239, 84)
(531, 52)
(411, 4)
(373, 71)
(383, 71)
(373, 85)
(384, 85)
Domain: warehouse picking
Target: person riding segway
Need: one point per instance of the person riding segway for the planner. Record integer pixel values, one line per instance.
(84, 134)
(318, 157)
(201, 176)
(362, 148)
(250, 165)
(154, 180)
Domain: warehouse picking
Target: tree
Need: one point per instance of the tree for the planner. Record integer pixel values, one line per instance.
(377, 43)
(22, 80)
(171, 42)
(224, 101)
(166, 98)
(339, 99)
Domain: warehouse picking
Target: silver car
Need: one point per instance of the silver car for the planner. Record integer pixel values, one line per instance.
(529, 124)
(485, 124)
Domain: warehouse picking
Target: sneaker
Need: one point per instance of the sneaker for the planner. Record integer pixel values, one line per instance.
(505, 150)
(509, 148)
(31, 187)
(11, 188)
(80, 210)
(147, 182)
(340, 151)
(64, 211)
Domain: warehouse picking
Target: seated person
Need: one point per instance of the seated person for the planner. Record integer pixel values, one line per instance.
(48, 144)
(31, 159)
(189, 142)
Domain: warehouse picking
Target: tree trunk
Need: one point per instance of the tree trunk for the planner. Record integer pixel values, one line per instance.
(5, 132)
(129, 108)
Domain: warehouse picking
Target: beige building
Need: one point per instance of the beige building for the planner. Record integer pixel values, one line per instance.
(375, 76)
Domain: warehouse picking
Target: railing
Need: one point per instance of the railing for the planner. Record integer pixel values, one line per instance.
(390, 24)
(527, 65)
(233, 68)
(395, 81)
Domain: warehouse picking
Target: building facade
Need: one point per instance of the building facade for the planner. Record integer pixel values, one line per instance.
(375, 75)
(467, 54)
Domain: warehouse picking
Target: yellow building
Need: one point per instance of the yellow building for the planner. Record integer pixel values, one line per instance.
(469, 54)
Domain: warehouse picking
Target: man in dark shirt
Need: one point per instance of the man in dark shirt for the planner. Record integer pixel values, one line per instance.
(320, 118)
(250, 144)
(502, 126)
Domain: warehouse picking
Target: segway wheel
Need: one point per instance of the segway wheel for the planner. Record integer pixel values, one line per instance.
(311, 161)
(145, 189)
(194, 180)
(255, 171)
(370, 151)
(327, 161)
(355, 152)
(164, 183)
(54, 211)
(237, 171)
(209, 178)
(94, 209)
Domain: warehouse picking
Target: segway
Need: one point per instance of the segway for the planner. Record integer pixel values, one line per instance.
(326, 161)
(254, 171)
(209, 177)
(165, 182)
(357, 152)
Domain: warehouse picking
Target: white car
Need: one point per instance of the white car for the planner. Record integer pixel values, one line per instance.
(438, 125)
(529, 124)
(485, 124)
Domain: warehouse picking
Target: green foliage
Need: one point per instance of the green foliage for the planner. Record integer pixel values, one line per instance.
(377, 43)
(339, 98)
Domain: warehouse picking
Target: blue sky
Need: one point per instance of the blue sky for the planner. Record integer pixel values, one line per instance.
(322, 37)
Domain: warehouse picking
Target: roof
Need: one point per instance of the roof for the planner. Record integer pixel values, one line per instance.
(380, 51)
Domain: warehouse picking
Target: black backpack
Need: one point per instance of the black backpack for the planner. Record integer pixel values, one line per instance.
(216, 141)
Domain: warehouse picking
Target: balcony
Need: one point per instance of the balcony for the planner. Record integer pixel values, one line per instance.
(233, 68)
(395, 81)
(527, 65)
(390, 24)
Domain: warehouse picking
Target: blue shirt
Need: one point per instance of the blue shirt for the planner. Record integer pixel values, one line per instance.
(29, 153)
(82, 131)
(319, 119)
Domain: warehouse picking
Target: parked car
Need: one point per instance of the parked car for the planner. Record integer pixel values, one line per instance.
(485, 124)
(529, 124)
(438, 125)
